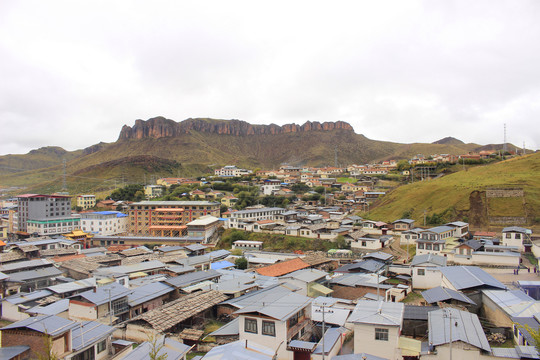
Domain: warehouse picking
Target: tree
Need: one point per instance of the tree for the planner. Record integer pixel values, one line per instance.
(241, 263)
(47, 353)
(535, 334)
(341, 242)
(403, 165)
(156, 345)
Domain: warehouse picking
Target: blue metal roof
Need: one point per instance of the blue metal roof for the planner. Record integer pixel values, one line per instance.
(88, 333)
(11, 352)
(469, 277)
(46, 324)
(440, 293)
(148, 292)
(465, 327)
(221, 265)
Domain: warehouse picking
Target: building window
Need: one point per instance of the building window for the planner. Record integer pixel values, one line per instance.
(436, 247)
(364, 243)
(101, 346)
(381, 334)
(268, 328)
(428, 246)
(250, 326)
(420, 246)
(421, 272)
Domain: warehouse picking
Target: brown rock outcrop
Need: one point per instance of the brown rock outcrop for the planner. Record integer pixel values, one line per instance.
(161, 127)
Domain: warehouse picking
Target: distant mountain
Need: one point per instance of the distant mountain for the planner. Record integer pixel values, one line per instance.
(188, 147)
(449, 141)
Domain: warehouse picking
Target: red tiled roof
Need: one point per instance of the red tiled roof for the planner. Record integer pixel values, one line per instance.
(283, 268)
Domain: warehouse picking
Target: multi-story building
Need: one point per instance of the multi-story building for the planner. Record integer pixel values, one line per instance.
(46, 214)
(231, 171)
(104, 222)
(167, 218)
(238, 219)
(86, 201)
(153, 191)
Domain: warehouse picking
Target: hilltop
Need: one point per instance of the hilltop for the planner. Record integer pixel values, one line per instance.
(462, 195)
(194, 146)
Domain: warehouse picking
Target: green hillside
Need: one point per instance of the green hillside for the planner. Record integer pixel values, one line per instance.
(460, 195)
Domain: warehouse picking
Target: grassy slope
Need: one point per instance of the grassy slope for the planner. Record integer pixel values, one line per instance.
(453, 190)
(195, 151)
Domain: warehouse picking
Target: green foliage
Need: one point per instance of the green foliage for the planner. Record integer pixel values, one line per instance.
(403, 165)
(341, 243)
(440, 218)
(132, 192)
(319, 189)
(300, 188)
(535, 334)
(156, 345)
(241, 263)
(407, 214)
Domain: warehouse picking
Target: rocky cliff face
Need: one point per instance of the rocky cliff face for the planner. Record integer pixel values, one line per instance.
(160, 127)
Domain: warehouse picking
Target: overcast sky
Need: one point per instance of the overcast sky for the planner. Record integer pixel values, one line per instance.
(73, 72)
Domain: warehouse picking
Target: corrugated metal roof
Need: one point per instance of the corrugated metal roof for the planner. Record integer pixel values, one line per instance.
(46, 324)
(330, 338)
(514, 302)
(280, 308)
(52, 309)
(148, 292)
(230, 329)
(509, 353)
(192, 278)
(221, 265)
(440, 293)
(132, 268)
(465, 327)
(240, 350)
(173, 350)
(306, 275)
(360, 356)
(35, 274)
(10, 352)
(23, 297)
(468, 277)
(378, 313)
(73, 286)
(369, 280)
(415, 312)
(101, 295)
(434, 259)
(332, 315)
(364, 265)
(6, 268)
(88, 333)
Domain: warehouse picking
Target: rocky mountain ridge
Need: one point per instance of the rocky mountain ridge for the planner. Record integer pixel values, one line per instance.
(160, 127)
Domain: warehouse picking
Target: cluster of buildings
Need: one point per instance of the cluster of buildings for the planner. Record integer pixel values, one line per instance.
(95, 303)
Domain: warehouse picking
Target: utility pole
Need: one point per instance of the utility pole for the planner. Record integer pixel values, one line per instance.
(323, 306)
(110, 306)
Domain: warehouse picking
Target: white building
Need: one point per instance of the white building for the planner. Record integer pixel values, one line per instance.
(425, 271)
(516, 236)
(231, 171)
(238, 219)
(377, 327)
(275, 321)
(104, 222)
